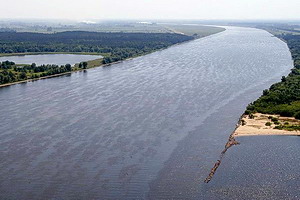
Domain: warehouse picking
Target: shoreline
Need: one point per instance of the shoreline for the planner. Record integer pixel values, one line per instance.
(232, 140)
(85, 53)
(66, 73)
(235, 134)
(61, 74)
(256, 126)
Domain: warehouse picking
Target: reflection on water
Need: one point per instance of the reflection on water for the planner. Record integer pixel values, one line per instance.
(151, 127)
(57, 59)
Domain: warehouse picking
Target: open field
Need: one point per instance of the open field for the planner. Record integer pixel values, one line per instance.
(129, 27)
(280, 31)
(90, 64)
(195, 30)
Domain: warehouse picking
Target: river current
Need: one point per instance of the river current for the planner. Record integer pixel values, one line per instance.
(151, 127)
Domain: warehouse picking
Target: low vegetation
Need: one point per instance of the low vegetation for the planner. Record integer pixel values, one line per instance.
(10, 72)
(195, 30)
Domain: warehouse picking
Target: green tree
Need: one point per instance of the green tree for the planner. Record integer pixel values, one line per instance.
(23, 76)
(68, 67)
(84, 64)
(33, 65)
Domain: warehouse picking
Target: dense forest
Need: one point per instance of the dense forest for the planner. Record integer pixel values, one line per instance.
(117, 46)
(283, 98)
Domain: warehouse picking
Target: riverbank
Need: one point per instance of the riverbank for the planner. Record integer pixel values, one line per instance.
(91, 62)
(281, 99)
(265, 124)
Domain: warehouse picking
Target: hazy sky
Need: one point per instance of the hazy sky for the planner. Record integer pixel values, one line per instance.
(151, 9)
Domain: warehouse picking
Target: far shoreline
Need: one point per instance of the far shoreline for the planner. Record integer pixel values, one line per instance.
(85, 53)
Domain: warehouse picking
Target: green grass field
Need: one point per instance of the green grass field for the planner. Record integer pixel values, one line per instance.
(130, 27)
(195, 30)
(127, 28)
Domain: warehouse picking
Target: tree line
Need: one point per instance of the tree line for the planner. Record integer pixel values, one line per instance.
(117, 46)
(10, 72)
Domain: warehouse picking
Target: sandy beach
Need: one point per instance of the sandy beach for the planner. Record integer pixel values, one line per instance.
(258, 125)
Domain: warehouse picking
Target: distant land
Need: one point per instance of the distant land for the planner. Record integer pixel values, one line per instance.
(113, 46)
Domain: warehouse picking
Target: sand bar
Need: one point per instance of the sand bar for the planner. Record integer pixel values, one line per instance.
(257, 126)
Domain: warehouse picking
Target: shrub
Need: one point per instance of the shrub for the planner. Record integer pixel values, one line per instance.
(251, 116)
(247, 112)
(243, 122)
(268, 124)
(278, 127)
(276, 122)
(265, 92)
(23, 76)
(274, 119)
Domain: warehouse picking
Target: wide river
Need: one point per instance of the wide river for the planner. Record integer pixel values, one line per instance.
(151, 127)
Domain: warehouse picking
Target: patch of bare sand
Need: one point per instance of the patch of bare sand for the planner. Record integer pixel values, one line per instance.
(257, 126)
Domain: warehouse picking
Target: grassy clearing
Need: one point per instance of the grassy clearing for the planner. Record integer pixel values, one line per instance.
(90, 64)
(190, 30)
(197, 31)
(118, 27)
